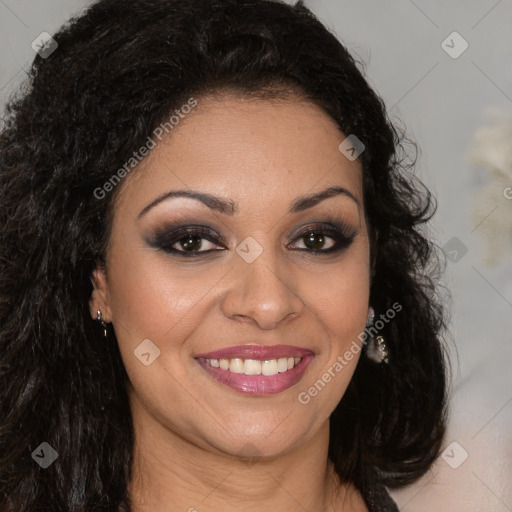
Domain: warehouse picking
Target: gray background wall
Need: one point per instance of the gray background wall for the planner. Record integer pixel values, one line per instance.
(442, 101)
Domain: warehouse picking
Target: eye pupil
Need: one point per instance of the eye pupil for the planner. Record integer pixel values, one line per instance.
(311, 239)
(192, 242)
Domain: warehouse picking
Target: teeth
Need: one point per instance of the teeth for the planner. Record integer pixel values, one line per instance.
(282, 364)
(269, 367)
(255, 367)
(236, 366)
(252, 367)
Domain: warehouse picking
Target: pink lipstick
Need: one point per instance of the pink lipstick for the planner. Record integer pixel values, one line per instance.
(257, 369)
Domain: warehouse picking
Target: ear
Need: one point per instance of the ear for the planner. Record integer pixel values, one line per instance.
(100, 297)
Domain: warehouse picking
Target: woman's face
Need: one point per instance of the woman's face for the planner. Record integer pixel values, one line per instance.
(250, 277)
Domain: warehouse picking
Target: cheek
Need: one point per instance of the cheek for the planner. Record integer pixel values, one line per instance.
(156, 299)
(346, 307)
(341, 306)
(151, 300)
(340, 298)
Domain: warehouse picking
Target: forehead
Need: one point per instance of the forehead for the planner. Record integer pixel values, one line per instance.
(230, 145)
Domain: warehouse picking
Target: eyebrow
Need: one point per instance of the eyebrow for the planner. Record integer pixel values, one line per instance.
(228, 207)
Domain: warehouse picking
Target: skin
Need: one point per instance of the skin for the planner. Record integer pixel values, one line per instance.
(194, 436)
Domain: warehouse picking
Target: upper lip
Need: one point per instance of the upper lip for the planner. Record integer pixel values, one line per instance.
(257, 352)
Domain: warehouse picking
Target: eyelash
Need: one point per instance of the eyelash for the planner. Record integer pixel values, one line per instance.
(165, 238)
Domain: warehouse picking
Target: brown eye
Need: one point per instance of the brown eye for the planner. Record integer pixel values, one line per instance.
(188, 241)
(316, 238)
(316, 241)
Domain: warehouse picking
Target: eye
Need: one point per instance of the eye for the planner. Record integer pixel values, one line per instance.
(323, 240)
(187, 241)
(316, 240)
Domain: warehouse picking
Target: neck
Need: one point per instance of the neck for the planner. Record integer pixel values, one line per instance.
(172, 473)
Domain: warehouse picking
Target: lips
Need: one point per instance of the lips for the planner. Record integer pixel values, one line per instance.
(227, 367)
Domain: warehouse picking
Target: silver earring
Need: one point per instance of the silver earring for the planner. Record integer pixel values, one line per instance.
(103, 324)
(376, 350)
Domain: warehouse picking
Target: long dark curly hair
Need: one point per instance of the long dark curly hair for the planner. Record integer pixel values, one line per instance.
(119, 70)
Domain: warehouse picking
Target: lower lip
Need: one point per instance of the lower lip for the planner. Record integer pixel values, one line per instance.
(258, 385)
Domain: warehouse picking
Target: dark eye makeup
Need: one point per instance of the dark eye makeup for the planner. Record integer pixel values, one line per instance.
(185, 239)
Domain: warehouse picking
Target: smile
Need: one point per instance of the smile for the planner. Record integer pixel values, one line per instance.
(258, 373)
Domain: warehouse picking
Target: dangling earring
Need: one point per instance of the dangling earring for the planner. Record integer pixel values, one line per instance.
(103, 324)
(376, 350)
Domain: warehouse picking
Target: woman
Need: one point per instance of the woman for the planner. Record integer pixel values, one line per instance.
(215, 292)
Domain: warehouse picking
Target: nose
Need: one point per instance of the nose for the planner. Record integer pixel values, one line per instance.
(262, 292)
